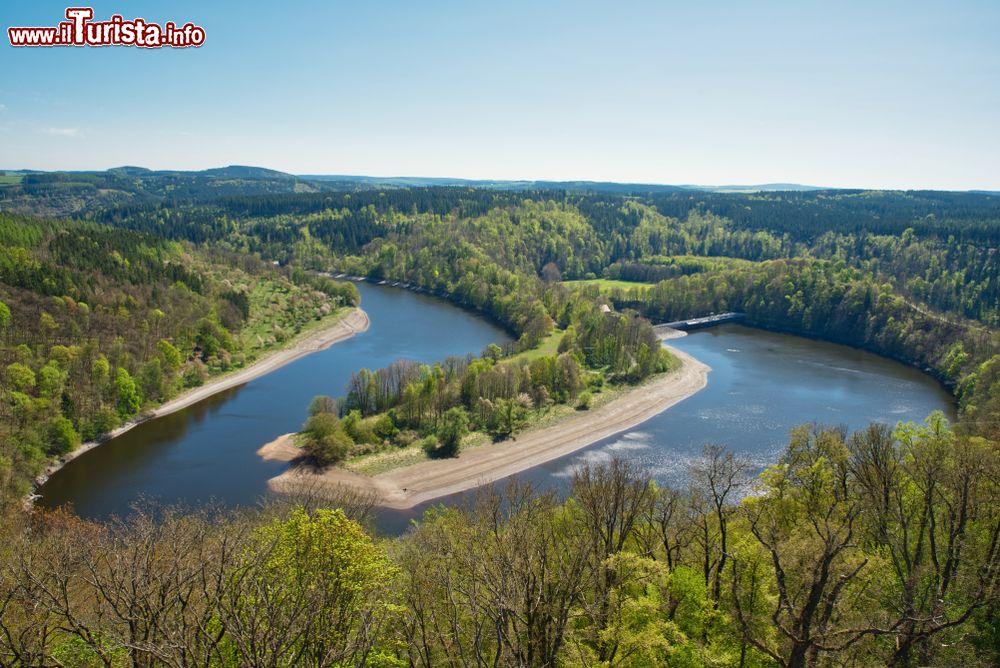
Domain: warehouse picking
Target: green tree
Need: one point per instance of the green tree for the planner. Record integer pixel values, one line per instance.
(512, 414)
(326, 440)
(567, 343)
(385, 427)
(47, 324)
(20, 377)
(452, 429)
(493, 352)
(129, 400)
(806, 522)
(357, 428)
(171, 356)
(316, 590)
(323, 404)
(62, 437)
(50, 381)
(100, 370)
(152, 380)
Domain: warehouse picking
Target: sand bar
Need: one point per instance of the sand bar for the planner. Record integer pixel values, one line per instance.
(409, 486)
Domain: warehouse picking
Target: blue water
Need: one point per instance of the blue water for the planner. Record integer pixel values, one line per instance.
(208, 451)
(761, 385)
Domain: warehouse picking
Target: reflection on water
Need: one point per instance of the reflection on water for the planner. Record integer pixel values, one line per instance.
(761, 385)
(208, 450)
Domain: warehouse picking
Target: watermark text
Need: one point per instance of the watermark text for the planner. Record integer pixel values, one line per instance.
(80, 29)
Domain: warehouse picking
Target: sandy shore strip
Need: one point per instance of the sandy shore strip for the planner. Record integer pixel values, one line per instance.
(409, 486)
(321, 338)
(281, 449)
(668, 333)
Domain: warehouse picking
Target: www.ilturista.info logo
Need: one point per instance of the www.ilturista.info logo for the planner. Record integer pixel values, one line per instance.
(81, 30)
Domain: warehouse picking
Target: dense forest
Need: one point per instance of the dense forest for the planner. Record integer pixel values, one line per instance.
(910, 275)
(69, 193)
(873, 548)
(879, 547)
(97, 324)
(938, 248)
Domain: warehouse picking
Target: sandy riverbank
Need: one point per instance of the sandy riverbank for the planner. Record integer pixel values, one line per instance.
(411, 485)
(281, 449)
(319, 339)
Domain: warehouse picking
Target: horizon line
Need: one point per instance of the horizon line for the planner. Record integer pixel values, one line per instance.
(347, 176)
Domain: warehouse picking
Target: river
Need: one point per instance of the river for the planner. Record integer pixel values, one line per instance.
(208, 451)
(761, 385)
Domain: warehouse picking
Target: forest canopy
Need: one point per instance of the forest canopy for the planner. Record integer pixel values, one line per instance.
(98, 323)
(878, 547)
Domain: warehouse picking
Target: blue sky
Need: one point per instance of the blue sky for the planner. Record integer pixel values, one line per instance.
(867, 94)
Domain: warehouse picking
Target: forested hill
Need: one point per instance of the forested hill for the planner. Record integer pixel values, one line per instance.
(97, 324)
(781, 207)
(938, 247)
(913, 275)
(60, 193)
(804, 216)
(74, 193)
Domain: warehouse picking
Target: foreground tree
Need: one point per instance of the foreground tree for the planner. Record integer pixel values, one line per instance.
(312, 590)
(498, 583)
(930, 500)
(805, 523)
(608, 504)
(718, 479)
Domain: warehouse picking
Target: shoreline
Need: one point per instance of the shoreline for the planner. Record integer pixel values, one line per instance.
(408, 486)
(351, 323)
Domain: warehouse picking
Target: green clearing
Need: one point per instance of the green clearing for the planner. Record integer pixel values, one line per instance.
(548, 346)
(277, 315)
(607, 284)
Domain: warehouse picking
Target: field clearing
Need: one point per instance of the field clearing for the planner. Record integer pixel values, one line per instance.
(548, 346)
(608, 284)
(277, 314)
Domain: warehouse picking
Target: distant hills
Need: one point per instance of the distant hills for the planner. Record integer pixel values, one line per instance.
(84, 192)
(764, 187)
(340, 181)
(598, 186)
(423, 182)
(230, 172)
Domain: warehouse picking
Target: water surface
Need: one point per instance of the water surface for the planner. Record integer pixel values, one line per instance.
(208, 450)
(762, 384)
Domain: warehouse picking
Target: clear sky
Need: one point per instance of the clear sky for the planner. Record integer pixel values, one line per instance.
(868, 94)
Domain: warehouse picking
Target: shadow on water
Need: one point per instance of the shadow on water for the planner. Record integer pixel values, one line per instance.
(142, 445)
(761, 385)
(208, 450)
